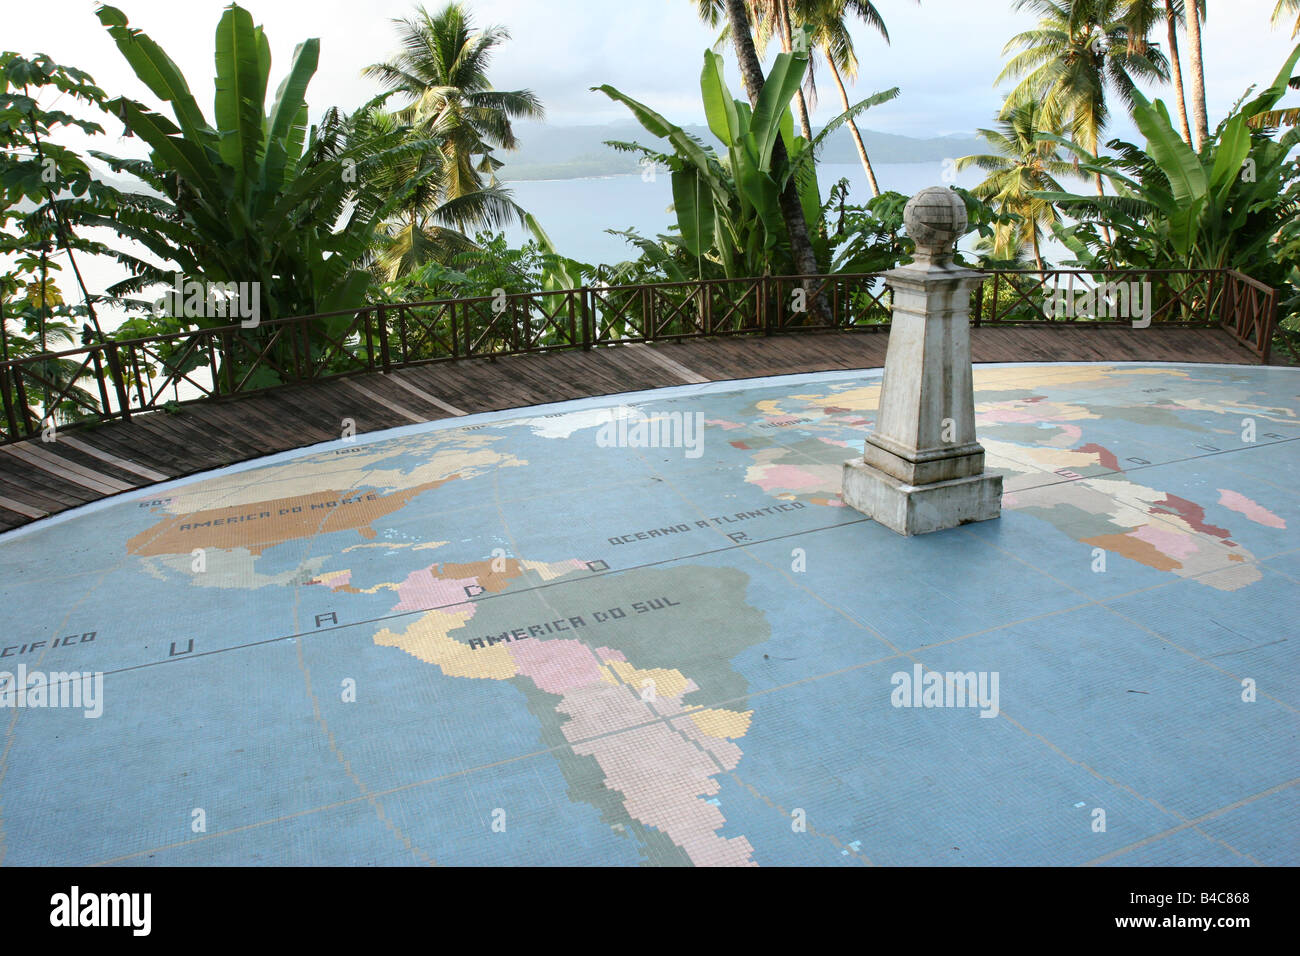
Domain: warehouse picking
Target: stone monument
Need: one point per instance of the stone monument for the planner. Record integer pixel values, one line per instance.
(922, 469)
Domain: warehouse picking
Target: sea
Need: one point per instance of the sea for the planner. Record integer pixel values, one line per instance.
(577, 214)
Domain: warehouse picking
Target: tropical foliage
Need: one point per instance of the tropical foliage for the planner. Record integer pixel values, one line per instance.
(256, 195)
(398, 201)
(1023, 165)
(1173, 207)
(441, 76)
(442, 73)
(39, 233)
(727, 204)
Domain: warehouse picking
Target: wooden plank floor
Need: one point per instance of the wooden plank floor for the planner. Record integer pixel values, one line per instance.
(89, 463)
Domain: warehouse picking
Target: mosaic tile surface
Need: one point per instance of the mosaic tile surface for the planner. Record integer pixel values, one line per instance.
(546, 638)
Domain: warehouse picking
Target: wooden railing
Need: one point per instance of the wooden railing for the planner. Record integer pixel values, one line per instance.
(1249, 312)
(115, 379)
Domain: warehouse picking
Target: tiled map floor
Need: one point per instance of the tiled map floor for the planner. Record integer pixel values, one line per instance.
(503, 641)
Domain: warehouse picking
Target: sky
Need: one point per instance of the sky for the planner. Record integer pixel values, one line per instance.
(944, 54)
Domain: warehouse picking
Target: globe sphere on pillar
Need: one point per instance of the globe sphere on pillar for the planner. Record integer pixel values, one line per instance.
(935, 219)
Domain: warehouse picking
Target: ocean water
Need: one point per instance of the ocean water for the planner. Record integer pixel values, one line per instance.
(576, 213)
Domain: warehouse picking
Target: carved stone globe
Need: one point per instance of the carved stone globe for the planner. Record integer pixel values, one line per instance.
(935, 219)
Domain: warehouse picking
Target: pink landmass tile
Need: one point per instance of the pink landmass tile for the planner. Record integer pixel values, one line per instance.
(422, 590)
(1257, 513)
(556, 666)
(1170, 543)
(787, 476)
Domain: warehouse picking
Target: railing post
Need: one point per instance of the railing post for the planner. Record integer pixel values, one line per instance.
(10, 417)
(977, 313)
(370, 345)
(1209, 295)
(99, 379)
(133, 363)
(588, 330)
(764, 312)
(307, 363)
(1269, 324)
(1229, 316)
(573, 316)
(228, 363)
(21, 392)
(115, 370)
(381, 317)
(212, 365)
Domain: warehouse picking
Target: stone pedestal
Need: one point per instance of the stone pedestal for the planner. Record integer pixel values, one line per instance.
(922, 469)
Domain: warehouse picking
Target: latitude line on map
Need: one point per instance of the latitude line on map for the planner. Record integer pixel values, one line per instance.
(1260, 561)
(1158, 464)
(475, 600)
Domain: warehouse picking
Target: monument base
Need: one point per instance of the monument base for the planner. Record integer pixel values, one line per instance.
(920, 509)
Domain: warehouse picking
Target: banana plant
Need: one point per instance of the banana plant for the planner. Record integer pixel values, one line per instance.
(255, 196)
(727, 205)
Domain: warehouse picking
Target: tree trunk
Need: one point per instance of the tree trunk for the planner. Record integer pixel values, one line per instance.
(787, 45)
(1199, 119)
(801, 107)
(1038, 255)
(1101, 191)
(1176, 68)
(751, 70)
(853, 130)
(63, 232)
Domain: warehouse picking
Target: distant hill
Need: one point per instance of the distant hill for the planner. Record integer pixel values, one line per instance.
(573, 152)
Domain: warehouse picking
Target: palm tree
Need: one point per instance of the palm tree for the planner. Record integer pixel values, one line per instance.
(433, 221)
(1285, 8)
(1199, 119)
(1141, 17)
(1080, 50)
(1004, 251)
(442, 72)
(1021, 165)
(831, 36)
(1174, 13)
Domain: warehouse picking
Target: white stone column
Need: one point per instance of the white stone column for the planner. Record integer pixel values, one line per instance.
(922, 469)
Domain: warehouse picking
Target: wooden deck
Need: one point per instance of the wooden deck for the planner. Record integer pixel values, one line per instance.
(85, 464)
